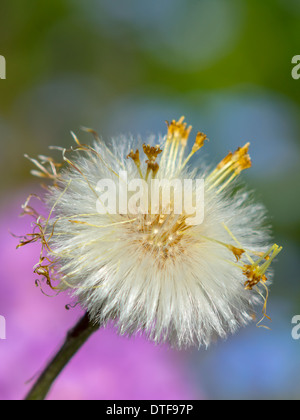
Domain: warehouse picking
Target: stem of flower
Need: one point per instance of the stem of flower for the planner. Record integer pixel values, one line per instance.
(75, 339)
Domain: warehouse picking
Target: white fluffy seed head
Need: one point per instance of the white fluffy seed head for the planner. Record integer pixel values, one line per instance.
(154, 273)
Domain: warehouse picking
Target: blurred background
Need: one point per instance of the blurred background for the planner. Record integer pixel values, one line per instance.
(126, 66)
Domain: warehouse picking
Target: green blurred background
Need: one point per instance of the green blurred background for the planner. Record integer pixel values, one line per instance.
(126, 66)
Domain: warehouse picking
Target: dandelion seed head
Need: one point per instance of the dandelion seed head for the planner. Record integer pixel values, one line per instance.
(153, 271)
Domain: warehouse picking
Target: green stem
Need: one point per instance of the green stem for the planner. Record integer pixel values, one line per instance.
(75, 339)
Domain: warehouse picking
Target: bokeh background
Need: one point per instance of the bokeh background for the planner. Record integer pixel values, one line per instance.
(126, 66)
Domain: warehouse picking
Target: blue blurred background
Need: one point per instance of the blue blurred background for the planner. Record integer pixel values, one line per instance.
(126, 67)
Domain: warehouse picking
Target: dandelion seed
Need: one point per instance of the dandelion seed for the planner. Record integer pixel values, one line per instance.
(179, 283)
